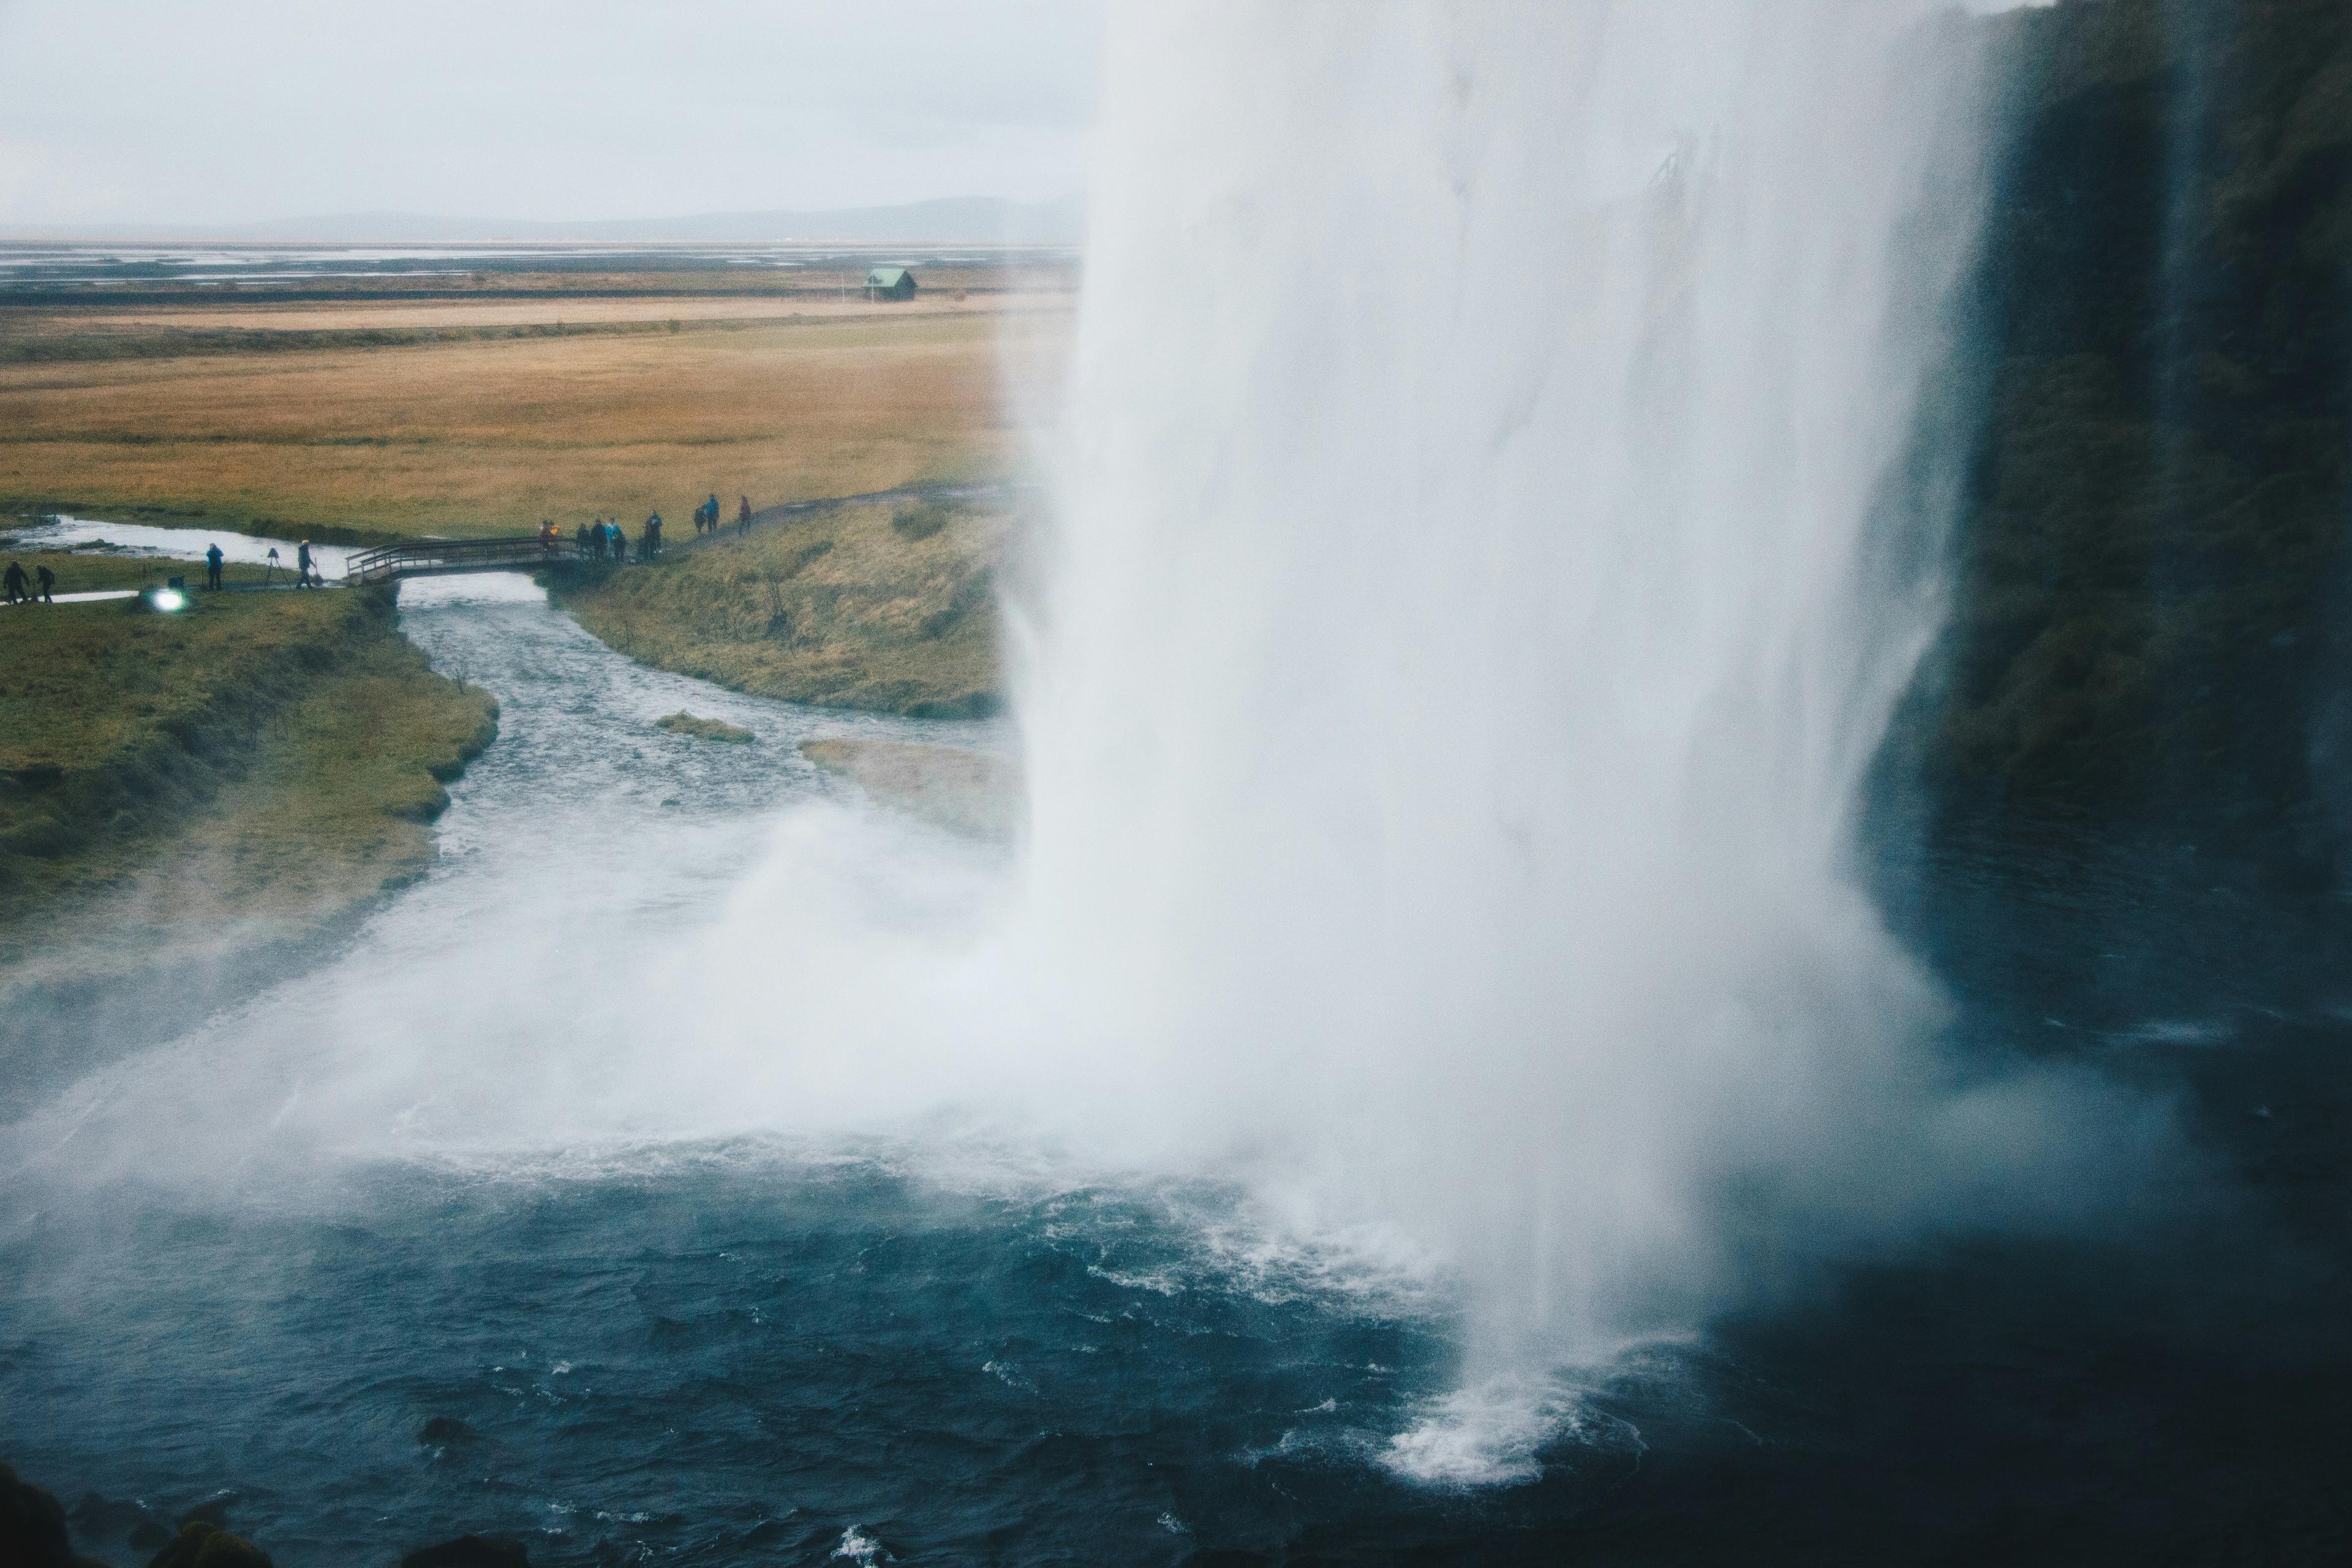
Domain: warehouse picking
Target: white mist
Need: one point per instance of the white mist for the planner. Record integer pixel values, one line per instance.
(1480, 585)
(1497, 511)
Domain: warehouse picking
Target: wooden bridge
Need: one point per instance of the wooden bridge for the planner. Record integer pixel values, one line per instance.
(529, 552)
(441, 557)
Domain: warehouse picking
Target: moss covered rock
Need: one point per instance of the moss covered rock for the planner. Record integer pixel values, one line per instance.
(2158, 540)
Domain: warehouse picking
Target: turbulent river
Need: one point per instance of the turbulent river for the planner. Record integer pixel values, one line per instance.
(370, 1261)
(324, 1258)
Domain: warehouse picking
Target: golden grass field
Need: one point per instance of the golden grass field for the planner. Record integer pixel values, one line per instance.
(482, 435)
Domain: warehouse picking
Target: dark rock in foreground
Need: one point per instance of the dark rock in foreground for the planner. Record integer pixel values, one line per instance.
(32, 1525)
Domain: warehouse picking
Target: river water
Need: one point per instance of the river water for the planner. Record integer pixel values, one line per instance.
(421, 1241)
(274, 1260)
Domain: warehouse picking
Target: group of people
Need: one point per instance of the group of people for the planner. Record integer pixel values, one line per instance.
(706, 516)
(37, 589)
(601, 540)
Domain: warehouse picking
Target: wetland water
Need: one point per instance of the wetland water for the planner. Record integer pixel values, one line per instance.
(62, 532)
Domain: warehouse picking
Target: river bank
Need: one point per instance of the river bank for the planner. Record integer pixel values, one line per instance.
(885, 606)
(190, 800)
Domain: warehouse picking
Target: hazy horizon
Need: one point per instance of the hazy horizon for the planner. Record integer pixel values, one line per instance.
(966, 219)
(144, 115)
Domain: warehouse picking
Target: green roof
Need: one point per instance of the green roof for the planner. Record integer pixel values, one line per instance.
(888, 278)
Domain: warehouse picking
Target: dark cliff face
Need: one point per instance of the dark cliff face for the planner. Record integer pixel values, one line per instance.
(2154, 566)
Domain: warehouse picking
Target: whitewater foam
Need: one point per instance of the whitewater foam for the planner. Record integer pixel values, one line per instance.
(1493, 1434)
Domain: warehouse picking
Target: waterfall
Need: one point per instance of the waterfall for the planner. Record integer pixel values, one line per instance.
(1500, 490)
(1494, 526)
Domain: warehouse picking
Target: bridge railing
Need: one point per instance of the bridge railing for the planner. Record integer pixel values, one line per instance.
(391, 561)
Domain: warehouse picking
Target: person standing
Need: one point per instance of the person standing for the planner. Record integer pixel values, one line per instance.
(743, 517)
(212, 559)
(302, 571)
(652, 545)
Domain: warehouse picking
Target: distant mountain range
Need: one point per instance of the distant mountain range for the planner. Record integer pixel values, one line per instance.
(970, 220)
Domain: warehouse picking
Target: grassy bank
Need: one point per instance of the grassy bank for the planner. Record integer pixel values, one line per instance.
(382, 419)
(879, 607)
(182, 796)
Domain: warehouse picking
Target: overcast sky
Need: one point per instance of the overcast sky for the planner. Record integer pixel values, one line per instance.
(242, 111)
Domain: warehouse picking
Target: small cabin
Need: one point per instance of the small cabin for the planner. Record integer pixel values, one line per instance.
(889, 283)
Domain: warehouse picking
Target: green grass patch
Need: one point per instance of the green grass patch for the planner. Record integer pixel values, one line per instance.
(256, 767)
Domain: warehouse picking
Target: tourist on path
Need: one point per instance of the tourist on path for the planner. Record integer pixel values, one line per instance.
(652, 545)
(49, 583)
(13, 582)
(213, 566)
(713, 504)
(302, 571)
(743, 518)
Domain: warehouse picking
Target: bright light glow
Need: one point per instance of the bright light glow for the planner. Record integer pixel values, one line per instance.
(168, 599)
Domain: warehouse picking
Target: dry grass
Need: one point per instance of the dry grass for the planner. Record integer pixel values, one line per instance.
(839, 608)
(685, 724)
(473, 437)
